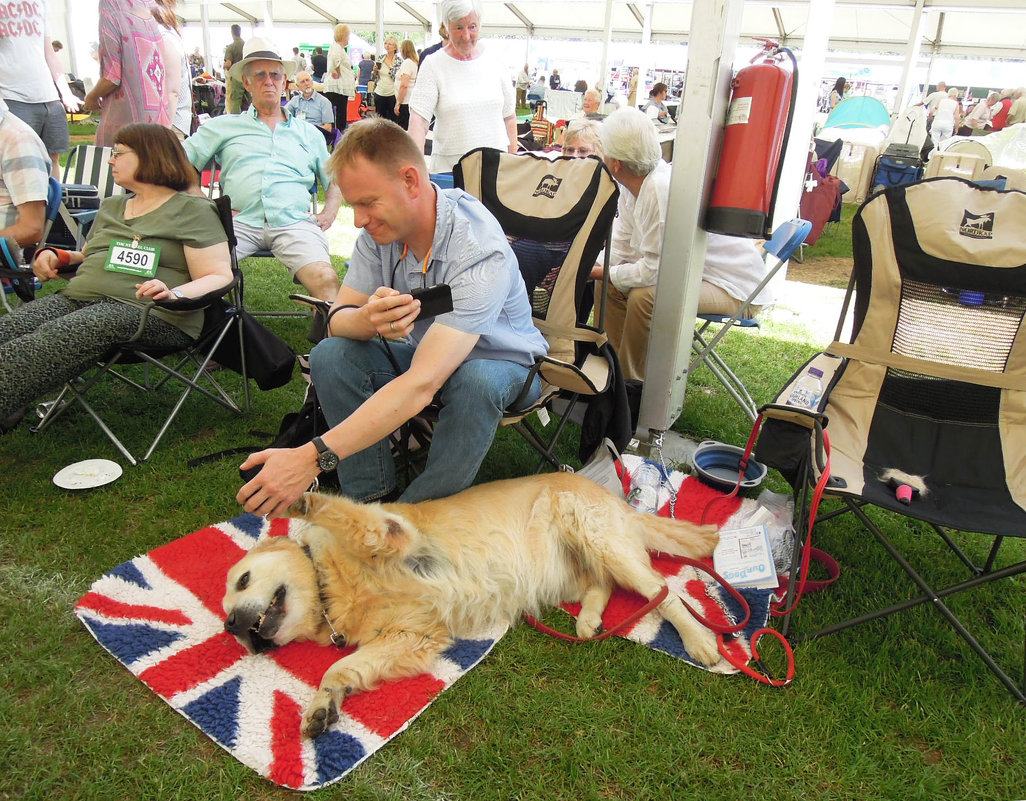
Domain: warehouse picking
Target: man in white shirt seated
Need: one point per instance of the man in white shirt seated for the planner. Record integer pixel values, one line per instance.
(312, 106)
(733, 266)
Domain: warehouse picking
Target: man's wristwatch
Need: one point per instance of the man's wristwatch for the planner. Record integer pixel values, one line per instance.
(327, 459)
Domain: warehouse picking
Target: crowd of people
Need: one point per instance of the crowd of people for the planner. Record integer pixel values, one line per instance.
(380, 363)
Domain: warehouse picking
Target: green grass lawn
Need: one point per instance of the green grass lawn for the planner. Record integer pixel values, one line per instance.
(891, 710)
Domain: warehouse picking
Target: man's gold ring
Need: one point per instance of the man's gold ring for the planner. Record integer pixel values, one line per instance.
(391, 326)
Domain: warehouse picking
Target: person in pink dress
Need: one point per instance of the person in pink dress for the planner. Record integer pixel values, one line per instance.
(134, 84)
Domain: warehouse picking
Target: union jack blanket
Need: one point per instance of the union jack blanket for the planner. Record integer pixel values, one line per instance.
(160, 615)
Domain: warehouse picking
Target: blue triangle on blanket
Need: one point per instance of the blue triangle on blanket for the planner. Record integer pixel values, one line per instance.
(217, 712)
(131, 641)
(130, 573)
(467, 653)
(668, 641)
(249, 524)
(337, 752)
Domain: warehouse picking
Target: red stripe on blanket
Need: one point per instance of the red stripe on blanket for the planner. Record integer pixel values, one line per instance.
(193, 666)
(286, 747)
(308, 661)
(205, 577)
(116, 609)
(387, 709)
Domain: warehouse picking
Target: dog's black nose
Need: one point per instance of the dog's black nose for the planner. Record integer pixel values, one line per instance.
(231, 623)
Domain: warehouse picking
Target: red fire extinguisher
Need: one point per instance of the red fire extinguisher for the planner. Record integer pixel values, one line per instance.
(758, 121)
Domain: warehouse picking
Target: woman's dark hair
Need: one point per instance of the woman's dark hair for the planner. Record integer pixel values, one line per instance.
(839, 85)
(162, 159)
(659, 87)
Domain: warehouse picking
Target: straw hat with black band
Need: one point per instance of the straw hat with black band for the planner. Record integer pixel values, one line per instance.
(257, 48)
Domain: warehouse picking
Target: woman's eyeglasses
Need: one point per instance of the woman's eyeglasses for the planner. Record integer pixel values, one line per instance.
(116, 154)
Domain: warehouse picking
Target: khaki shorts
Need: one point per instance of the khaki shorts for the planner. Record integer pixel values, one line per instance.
(295, 245)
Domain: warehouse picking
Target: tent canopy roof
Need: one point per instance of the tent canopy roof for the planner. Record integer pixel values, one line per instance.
(989, 29)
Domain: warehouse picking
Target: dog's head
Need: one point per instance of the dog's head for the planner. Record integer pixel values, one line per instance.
(271, 596)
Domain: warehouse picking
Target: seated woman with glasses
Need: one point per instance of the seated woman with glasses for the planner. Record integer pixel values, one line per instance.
(155, 243)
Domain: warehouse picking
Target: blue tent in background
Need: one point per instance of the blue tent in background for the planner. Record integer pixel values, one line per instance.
(859, 112)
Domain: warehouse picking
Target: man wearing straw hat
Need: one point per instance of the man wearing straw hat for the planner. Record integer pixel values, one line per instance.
(269, 162)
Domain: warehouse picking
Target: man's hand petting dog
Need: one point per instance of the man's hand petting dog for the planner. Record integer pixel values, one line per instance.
(284, 474)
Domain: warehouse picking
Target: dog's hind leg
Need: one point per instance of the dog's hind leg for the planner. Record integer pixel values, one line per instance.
(593, 604)
(394, 654)
(639, 576)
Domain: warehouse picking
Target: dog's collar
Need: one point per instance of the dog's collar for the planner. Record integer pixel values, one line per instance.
(338, 639)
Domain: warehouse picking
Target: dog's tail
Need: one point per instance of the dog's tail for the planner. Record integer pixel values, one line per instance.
(678, 537)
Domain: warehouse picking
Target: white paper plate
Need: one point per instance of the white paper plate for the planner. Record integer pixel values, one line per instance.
(88, 474)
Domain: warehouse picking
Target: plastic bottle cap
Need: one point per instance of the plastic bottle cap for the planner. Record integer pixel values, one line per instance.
(816, 372)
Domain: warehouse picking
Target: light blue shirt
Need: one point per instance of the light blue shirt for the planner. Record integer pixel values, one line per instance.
(317, 109)
(268, 175)
(470, 253)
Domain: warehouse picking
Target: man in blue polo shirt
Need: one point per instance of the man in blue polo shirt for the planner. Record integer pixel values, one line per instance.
(312, 106)
(269, 162)
(385, 361)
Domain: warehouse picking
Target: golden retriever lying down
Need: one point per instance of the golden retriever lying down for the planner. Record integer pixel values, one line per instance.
(402, 580)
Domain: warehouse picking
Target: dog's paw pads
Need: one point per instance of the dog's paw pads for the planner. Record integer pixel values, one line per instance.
(319, 717)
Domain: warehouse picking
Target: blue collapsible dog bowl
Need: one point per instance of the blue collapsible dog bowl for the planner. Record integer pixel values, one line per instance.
(718, 464)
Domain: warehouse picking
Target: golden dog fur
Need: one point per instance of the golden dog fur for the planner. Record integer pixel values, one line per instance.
(402, 580)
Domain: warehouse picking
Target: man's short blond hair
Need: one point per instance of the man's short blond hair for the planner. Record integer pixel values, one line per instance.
(379, 141)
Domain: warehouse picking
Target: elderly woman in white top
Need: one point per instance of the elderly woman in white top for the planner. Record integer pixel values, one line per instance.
(339, 79)
(469, 93)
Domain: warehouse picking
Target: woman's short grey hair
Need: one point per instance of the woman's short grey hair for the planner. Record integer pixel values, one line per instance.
(629, 136)
(953, 92)
(454, 10)
(595, 94)
(584, 131)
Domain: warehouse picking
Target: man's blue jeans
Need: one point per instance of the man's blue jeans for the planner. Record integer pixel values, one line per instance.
(347, 372)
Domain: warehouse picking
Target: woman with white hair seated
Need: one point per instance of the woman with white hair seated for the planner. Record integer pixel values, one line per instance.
(469, 93)
(733, 266)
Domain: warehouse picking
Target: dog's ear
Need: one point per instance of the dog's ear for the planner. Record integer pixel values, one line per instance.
(388, 534)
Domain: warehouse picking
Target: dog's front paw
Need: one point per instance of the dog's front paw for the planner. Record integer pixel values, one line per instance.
(589, 623)
(701, 646)
(321, 713)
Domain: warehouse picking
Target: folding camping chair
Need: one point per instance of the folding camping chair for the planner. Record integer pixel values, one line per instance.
(932, 383)
(14, 281)
(88, 179)
(223, 328)
(558, 215)
(782, 245)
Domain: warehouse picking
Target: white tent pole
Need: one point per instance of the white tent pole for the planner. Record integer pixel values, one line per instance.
(70, 49)
(207, 50)
(911, 59)
(715, 27)
(643, 62)
(379, 14)
(607, 42)
(268, 20)
(796, 149)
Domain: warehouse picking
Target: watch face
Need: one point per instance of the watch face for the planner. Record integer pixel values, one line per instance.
(327, 461)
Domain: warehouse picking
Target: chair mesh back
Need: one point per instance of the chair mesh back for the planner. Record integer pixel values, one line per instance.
(557, 215)
(963, 328)
(90, 164)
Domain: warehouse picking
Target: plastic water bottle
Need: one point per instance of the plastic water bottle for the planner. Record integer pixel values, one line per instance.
(808, 390)
(645, 494)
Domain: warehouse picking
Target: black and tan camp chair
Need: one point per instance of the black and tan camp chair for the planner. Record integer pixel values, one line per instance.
(923, 412)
